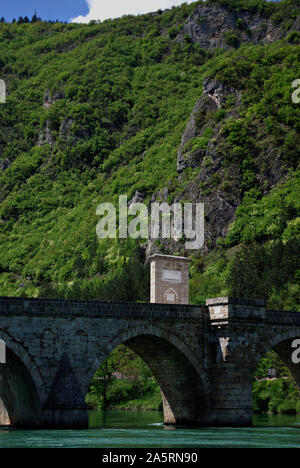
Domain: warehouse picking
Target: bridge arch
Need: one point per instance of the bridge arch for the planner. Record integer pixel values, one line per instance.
(180, 375)
(276, 342)
(19, 397)
(281, 343)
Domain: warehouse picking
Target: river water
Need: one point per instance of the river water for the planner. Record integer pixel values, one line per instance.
(112, 429)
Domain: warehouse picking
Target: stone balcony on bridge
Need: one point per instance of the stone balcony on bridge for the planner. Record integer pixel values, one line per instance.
(223, 309)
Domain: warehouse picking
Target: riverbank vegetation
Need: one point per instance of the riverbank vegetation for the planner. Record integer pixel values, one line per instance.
(124, 382)
(279, 395)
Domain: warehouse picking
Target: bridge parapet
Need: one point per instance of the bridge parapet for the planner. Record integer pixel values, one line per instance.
(97, 309)
(277, 317)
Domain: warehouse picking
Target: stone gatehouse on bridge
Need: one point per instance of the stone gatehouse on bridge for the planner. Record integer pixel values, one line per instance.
(202, 357)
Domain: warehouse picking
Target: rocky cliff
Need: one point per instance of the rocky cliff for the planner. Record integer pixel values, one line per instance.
(210, 24)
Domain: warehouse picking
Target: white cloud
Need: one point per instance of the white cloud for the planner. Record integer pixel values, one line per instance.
(103, 9)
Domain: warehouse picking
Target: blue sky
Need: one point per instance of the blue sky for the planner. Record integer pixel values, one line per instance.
(60, 9)
(81, 10)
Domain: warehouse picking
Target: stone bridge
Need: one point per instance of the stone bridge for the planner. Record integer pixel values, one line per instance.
(202, 357)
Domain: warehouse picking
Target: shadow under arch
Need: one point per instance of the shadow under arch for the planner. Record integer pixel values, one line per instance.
(179, 374)
(19, 401)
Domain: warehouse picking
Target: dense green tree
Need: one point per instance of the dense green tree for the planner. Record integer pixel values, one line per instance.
(34, 18)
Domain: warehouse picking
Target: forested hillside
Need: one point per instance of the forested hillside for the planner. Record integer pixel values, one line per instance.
(95, 111)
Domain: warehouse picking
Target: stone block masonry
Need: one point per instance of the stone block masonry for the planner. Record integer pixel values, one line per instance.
(202, 357)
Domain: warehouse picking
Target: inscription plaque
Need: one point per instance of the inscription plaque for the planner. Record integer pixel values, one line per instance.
(172, 276)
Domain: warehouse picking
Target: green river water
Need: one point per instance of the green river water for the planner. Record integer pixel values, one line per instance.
(112, 429)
